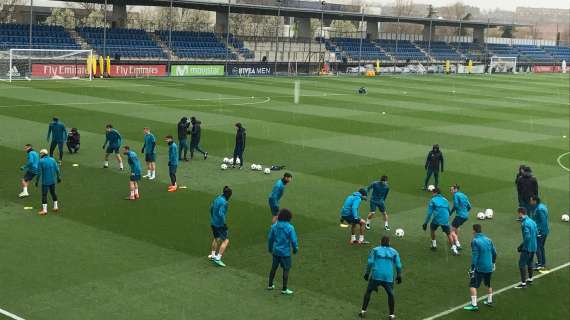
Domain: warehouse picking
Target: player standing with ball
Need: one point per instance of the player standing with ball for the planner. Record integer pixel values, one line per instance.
(434, 162)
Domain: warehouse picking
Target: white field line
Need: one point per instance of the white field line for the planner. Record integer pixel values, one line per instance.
(560, 162)
(448, 311)
(10, 315)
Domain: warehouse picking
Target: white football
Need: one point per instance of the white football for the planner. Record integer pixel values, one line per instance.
(481, 215)
(226, 160)
(399, 233)
(489, 214)
(259, 167)
(254, 167)
(431, 187)
(565, 217)
(224, 166)
(267, 171)
(238, 161)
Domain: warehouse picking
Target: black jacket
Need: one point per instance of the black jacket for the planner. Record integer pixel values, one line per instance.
(434, 160)
(183, 130)
(527, 186)
(73, 139)
(240, 137)
(196, 132)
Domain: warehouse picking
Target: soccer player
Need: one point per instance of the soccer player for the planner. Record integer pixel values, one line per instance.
(483, 257)
(58, 134)
(172, 163)
(135, 177)
(148, 150)
(112, 145)
(277, 193)
(527, 186)
(349, 216)
(438, 208)
(282, 240)
(434, 162)
(195, 135)
(540, 217)
(49, 174)
(527, 248)
(73, 141)
(381, 263)
(240, 145)
(218, 215)
(182, 127)
(461, 206)
(380, 191)
(31, 169)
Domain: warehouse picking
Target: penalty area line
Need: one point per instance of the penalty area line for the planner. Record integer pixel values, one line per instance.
(10, 315)
(459, 307)
(560, 162)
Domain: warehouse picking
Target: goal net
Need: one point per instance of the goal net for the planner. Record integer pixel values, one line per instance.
(503, 65)
(30, 64)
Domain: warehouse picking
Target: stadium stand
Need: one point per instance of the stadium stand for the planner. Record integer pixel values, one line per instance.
(197, 45)
(502, 50)
(287, 49)
(470, 50)
(127, 43)
(558, 53)
(439, 50)
(534, 54)
(43, 37)
(351, 49)
(402, 50)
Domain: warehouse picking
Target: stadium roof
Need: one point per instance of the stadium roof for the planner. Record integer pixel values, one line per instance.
(302, 12)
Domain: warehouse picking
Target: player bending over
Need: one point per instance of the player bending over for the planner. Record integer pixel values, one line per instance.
(148, 150)
(73, 141)
(282, 240)
(31, 169)
(527, 248)
(172, 163)
(483, 257)
(218, 215)
(49, 174)
(276, 194)
(112, 145)
(349, 216)
(135, 176)
(380, 191)
(438, 208)
(380, 273)
(461, 206)
(58, 134)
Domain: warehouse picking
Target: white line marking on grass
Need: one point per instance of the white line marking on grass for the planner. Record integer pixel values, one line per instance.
(10, 315)
(448, 311)
(560, 162)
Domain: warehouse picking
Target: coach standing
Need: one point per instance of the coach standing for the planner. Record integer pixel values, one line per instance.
(434, 162)
(182, 127)
(527, 187)
(240, 145)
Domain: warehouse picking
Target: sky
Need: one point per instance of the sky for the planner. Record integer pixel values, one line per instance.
(483, 4)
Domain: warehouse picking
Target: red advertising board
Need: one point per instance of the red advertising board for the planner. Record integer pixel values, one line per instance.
(52, 70)
(544, 69)
(138, 70)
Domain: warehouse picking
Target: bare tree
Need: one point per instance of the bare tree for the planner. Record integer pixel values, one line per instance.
(7, 8)
(62, 17)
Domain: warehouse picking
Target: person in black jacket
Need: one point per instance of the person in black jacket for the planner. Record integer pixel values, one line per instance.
(183, 126)
(73, 141)
(517, 177)
(434, 162)
(195, 135)
(527, 187)
(240, 145)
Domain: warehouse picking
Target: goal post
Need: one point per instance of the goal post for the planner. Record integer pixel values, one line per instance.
(503, 65)
(38, 64)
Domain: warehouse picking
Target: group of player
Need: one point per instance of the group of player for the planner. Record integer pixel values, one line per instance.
(282, 238)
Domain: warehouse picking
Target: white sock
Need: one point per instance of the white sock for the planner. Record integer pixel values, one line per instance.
(361, 238)
(474, 300)
(44, 206)
(213, 253)
(433, 243)
(55, 205)
(367, 221)
(153, 174)
(490, 298)
(121, 165)
(352, 238)
(457, 244)
(132, 194)
(106, 163)
(148, 173)
(219, 257)
(25, 189)
(385, 223)
(453, 247)
(136, 191)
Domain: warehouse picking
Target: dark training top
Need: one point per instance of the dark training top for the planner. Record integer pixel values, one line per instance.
(434, 160)
(240, 137)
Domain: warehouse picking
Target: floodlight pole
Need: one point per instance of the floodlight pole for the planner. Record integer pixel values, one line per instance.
(228, 37)
(429, 40)
(397, 39)
(277, 36)
(322, 37)
(30, 43)
(361, 38)
(170, 36)
(105, 30)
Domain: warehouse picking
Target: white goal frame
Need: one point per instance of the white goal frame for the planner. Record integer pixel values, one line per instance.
(506, 62)
(66, 55)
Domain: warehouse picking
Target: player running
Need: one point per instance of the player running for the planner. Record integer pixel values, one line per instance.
(434, 162)
(527, 248)
(461, 206)
(112, 144)
(58, 134)
(218, 215)
(195, 135)
(540, 217)
(240, 145)
(31, 169)
(135, 177)
(148, 150)
(282, 240)
(438, 208)
(380, 191)
(182, 127)
(277, 193)
(483, 257)
(49, 174)
(380, 273)
(349, 216)
(172, 162)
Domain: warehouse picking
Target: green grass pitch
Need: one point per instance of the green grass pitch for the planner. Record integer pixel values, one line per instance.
(105, 258)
